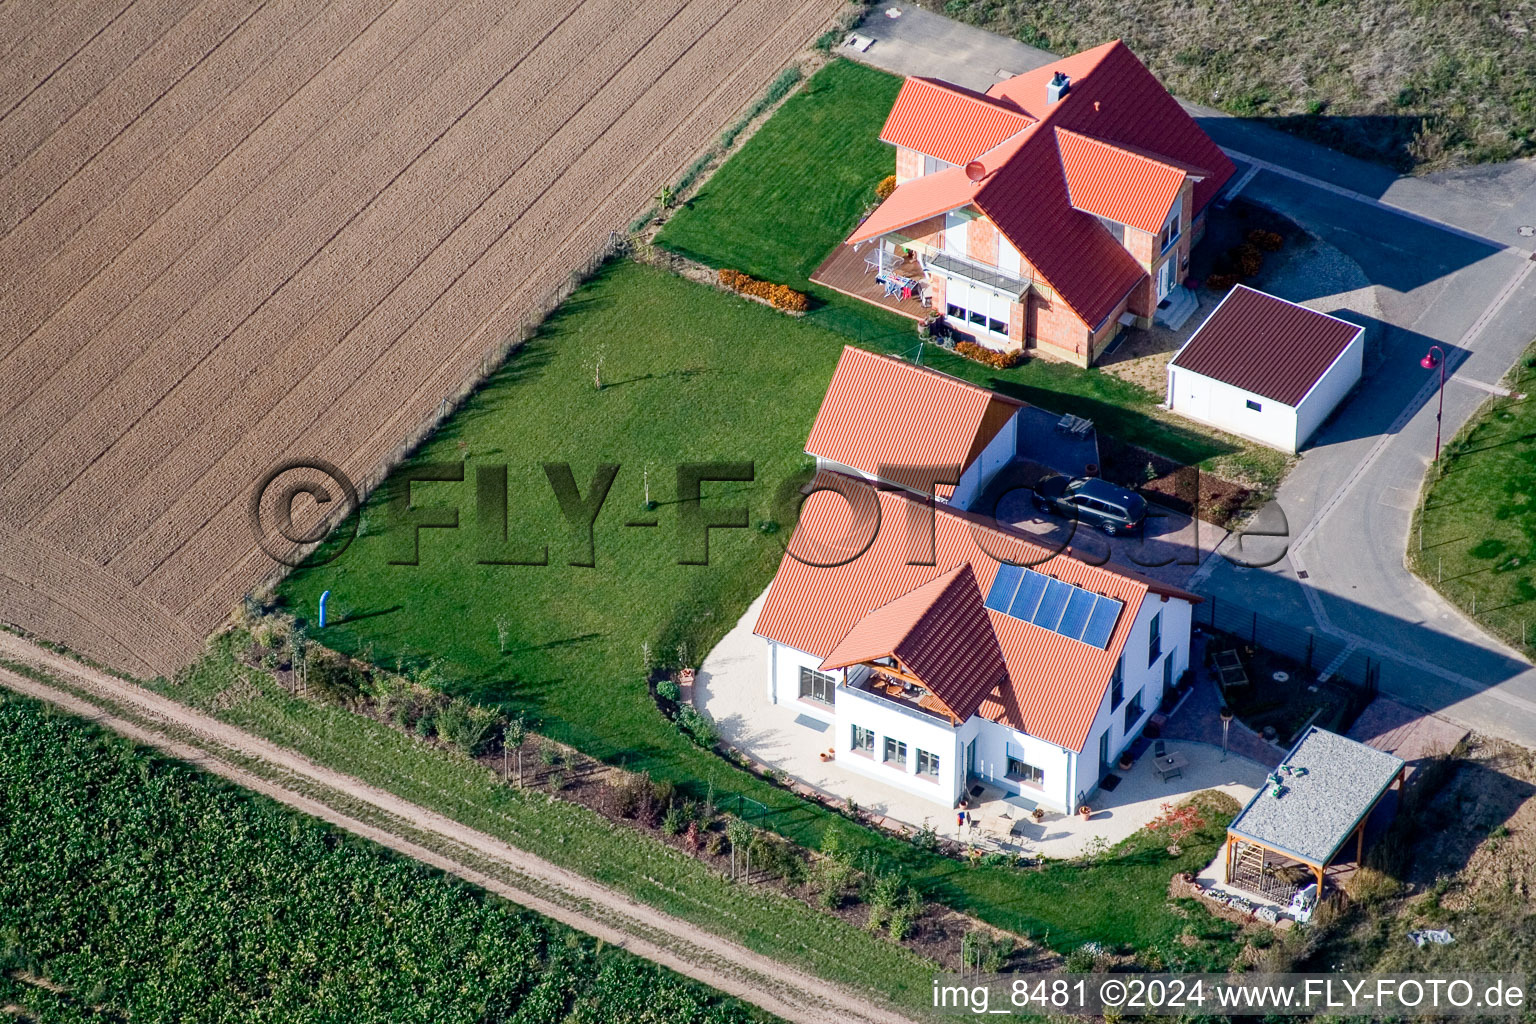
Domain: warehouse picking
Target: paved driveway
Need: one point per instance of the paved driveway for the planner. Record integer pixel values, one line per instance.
(1449, 267)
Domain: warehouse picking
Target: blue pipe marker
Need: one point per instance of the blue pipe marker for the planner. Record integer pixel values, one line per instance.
(322, 608)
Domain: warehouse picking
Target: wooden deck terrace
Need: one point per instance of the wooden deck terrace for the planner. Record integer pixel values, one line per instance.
(845, 271)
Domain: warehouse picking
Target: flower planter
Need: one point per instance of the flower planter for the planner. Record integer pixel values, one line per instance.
(1126, 763)
(1038, 814)
(1085, 812)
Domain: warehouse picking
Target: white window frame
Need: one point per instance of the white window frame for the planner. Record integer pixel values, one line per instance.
(817, 680)
(1173, 226)
(932, 761)
(998, 309)
(955, 234)
(856, 737)
(897, 747)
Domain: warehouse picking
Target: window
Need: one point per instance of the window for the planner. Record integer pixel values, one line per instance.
(1155, 639)
(895, 753)
(1132, 713)
(863, 740)
(1117, 686)
(1168, 673)
(1255, 406)
(933, 165)
(955, 233)
(1024, 772)
(1172, 226)
(977, 308)
(927, 764)
(1115, 228)
(817, 686)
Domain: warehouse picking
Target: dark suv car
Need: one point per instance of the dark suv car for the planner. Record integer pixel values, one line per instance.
(1093, 501)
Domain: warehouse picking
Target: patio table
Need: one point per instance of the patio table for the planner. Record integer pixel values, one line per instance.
(1171, 765)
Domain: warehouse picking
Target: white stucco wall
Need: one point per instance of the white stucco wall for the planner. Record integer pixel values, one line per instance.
(1069, 777)
(1141, 676)
(784, 664)
(1330, 389)
(1221, 405)
(997, 454)
(916, 729)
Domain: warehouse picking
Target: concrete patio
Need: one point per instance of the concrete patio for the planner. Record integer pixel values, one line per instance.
(731, 688)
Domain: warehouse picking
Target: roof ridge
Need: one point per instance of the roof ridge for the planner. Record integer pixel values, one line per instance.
(947, 377)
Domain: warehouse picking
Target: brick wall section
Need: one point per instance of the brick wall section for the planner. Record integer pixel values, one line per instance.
(936, 291)
(1016, 318)
(1056, 330)
(981, 241)
(928, 232)
(909, 165)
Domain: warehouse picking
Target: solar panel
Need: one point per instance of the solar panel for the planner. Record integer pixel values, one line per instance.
(1101, 622)
(1029, 595)
(1052, 604)
(1075, 619)
(1003, 586)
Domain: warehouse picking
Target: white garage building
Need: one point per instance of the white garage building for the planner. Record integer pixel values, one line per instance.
(1266, 369)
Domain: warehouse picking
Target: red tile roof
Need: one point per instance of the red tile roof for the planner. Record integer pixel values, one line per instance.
(941, 633)
(1114, 98)
(950, 122)
(1271, 347)
(1118, 119)
(1055, 684)
(881, 412)
(1116, 183)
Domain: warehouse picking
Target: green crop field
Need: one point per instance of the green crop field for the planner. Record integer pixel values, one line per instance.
(137, 888)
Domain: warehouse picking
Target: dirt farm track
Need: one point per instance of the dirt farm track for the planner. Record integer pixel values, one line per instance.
(239, 232)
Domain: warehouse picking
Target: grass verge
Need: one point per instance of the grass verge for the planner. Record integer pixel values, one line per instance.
(1474, 535)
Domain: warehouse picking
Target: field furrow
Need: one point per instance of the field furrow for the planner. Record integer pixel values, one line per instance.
(200, 68)
(327, 168)
(90, 70)
(163, 213)
(243, 233)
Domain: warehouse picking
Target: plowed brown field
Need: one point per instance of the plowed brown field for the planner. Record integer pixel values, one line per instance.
(239, 232)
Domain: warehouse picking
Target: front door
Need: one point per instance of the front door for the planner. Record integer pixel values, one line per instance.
(1165, 277)
(1104, 764)
(970, 759)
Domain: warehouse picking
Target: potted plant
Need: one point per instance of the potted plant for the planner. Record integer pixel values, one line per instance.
(1038, 814)
(1085, 811)
(1125, 761)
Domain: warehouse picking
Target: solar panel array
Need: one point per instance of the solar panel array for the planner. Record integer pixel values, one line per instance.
(1051, 604)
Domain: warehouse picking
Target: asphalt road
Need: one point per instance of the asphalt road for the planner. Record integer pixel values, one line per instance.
(1450, 268)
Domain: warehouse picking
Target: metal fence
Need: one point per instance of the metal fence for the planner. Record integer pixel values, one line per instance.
(1318, 654)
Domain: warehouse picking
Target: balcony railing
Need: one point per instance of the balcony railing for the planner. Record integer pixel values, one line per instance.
(963, 266)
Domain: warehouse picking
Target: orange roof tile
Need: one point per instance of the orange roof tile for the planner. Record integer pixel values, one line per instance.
(1047, 181)
(1114, 98)
(882, 414)
(1055, 684)
(950, 122)
(942, 634)
(1107, 181)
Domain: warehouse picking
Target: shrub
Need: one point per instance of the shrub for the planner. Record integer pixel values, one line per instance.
(773, 854)
(697, 726)
(1221, 282)
(467, 726)
(1269, 241)
(673, 821)
(776, 295)
(989, 356)
(692, 837)
(926, 838)
(668, 689)
(886, 186)
(1247, 259)
(715, 844)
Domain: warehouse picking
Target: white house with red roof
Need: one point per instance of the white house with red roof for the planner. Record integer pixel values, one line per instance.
(1052, 209)
(942, 647)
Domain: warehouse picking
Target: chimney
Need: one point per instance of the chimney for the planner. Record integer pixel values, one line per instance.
(1057, 87)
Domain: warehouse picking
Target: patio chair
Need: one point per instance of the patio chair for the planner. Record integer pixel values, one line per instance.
(1159, 749)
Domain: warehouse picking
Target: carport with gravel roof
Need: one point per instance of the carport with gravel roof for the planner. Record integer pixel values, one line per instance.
(1320, 795)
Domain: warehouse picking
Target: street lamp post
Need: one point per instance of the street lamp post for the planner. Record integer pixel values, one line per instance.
(1433, 358)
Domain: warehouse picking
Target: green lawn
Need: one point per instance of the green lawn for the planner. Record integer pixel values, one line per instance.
(726, 379)
(1478, 522)
(139, 888)
(795, 190)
